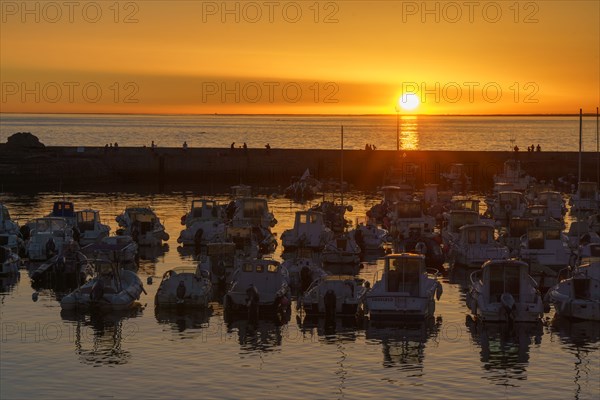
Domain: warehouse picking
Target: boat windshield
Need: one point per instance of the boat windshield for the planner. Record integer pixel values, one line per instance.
(403, 274)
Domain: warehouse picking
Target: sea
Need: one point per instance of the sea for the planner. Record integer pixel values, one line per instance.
(148, 353)
(473, 133)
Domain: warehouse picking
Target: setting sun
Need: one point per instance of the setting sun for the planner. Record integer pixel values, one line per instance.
(409, 101)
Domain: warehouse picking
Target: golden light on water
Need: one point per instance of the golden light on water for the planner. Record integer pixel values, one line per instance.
(409, 132)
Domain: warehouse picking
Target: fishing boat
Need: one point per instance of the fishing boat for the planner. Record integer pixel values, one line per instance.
(404, 288)
(332, 295)
(508, 204)
(512, 177)
(341, 252)
(368, 236)
(111, 288)
(89, 227)
(554, 201)
(475, 245)
(260, 284)
(9, 262)
(503, 291)
(219, 262)
(204, 223)
(586, 199)
(184, 286)
(454, 220)
(47, 237)
(142, 224)
(409, 218)
(578, 296)
(309, 231)
(511, 235)
(64, 209)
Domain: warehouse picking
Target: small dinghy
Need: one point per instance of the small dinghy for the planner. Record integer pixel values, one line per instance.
(184, 286)
(112, 288)
(503, 291)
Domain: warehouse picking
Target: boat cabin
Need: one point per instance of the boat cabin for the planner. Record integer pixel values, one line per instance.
(477, 234)
(408, 209)
(309, 223)
(221, 256)
(64, 209)
(266, 275)
(393, 194)
(511, 200)
(459, 218)
(87, 219)
(537, 238)
(252, 210)
(403, 273)
(518, 227)
(49, 225)
(143, 219)
(204, 209)
(506, 276)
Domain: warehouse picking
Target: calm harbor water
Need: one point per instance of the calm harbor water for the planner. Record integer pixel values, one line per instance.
(150, 354)
(490, 133)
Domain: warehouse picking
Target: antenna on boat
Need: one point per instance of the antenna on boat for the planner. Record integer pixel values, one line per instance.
(342, 167)
(597, 151)
(580, 142)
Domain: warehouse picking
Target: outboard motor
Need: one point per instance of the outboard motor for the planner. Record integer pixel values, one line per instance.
(180, 292)
(50, 248)
(330, 304)
(252, 302)
(508, 303)
(305, 278)
(97, 291)
(25, 232)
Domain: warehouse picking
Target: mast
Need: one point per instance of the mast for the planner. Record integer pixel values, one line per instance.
(597, 151)
(342, 167)
(580, 123)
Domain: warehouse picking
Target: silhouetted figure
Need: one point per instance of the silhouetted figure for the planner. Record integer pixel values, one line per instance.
(516, 148)
(538, 148)
(152, 145)
(185, 146)
(373, 147)
(116, 145)
(268, 146)
(245, 146)
(232, 146)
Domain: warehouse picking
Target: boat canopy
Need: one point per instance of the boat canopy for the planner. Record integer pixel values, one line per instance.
(459, 218)
(204, 209)
(536, 237)
(504, 277)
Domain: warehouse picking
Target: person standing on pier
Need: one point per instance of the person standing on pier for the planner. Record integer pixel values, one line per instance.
(185, 146)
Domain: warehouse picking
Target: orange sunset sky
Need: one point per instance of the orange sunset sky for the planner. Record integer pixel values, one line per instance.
(338, 57)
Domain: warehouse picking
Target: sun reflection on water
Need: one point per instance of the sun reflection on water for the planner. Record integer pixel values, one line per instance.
(409, 135)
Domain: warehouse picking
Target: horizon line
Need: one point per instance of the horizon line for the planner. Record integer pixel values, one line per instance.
(311, 114)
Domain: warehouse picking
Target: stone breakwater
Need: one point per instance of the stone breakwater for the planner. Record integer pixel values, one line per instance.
(275, 167)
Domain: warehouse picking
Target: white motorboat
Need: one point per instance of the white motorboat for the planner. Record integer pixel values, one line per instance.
(510, 236)
(408, 218)
(586, 199)
(547, 251)
(476, 244)
(9, 262)
(142, 224)
(554, 201)
(542, 217)
(309, 231)
(456, 178)
(368, 236)
(7, 225)
(258, 283)
(403, 288)
(454, 220)
(184, 286)
(579, 296)
(204, 223)
(219, 261)
(332, 295)
(391, 195)
(252, 211)
(342, 250)
(303, 269)
(112, 288)
(512, 177)
(508, 204)
(91, 229)
(47, 237)
(119, 248)
(503, 291)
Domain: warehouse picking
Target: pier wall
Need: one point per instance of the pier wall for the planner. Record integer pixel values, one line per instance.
(275, 167)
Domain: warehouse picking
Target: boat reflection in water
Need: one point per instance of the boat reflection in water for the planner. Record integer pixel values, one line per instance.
(261, 335)
(99, 337)
(581, 339)
(180, 319)
(8, 283)
(329, 330)
(403, 343)
(505, 348)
